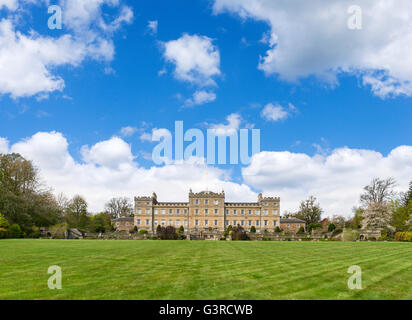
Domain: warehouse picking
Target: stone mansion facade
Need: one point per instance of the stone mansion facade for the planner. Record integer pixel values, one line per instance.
(207, 211)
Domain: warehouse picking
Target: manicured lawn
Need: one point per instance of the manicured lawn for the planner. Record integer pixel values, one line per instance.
(203, 269)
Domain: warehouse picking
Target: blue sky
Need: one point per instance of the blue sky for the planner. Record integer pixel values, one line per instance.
(137, 87)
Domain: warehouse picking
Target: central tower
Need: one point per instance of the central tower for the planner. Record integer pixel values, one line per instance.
(206, 210)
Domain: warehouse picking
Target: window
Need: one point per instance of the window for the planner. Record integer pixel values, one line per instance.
(147, 222)
(288, 226)
(234, 211)
(206, 222)
(216, 223)
(274, 223)
(257, 222)
(163, 211)
(147, 211)
(156, 211)
(178, 211)
(242, 223)
(196, 211)
(226, 223)
(196, 222)
(185, 211)
(250, 222)
(266, 212)
(298, 225)
(216, 202)
(138, 222)
(148, 203)
(234, 223)
(155, 222)
(196, 201)
(206, 201)
(266, 222)
(177, 223)
(170, 222)
(118, 224)
(257, 212)
(275, 212)
(185, 223)
(163, 222)
(170, 211)
(250, 211)
(242, 211)
(206, 211)
(139, 211)
(216, 211)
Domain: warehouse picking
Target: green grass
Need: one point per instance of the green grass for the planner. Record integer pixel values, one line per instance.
(204, 269)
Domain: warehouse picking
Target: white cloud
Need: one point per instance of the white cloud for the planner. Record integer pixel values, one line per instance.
(111, 153)
(200, 97)
(152, 26)
(128, 131)
(276, 112)
(233, 123)
(312, 38)
(9, 4)
(110, 171)
(4, 146)
(28, 60)
(336, 179)
(195, 57)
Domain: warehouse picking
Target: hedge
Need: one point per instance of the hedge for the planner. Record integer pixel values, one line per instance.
(403, 236)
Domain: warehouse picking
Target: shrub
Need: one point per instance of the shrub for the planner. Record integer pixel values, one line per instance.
(238, 233)
(168, 233)
(59, 231)
(372, 239)
(301, 230)
(314, 226)
(336, 232)
(278, 230)
(4, 227)
(331, 227)
(253, 229)
(403, 236)
(143, 231)
(15, 231)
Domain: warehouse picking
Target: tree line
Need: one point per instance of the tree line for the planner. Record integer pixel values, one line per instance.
(27, 205)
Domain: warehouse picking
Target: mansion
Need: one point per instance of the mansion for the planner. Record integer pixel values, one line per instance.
(207, 211)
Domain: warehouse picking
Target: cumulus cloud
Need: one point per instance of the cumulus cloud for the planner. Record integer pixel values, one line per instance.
(200, 97)
(276, 112)
(196, 59)
(336, 179)
(28, 60)
(109, 170)
(9, 4)
(232, 125)
(312, 38)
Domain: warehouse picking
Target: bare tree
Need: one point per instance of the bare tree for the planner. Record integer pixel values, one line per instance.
(119, 207)
(379, 191)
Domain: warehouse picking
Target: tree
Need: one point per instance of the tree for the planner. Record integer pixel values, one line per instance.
(401, 216)
(331, 227)
(310, 211)
(301, 230)
(377, 216)
(357, 219)
(407, 198)
(119, 207)
(77, 215)
(4, 227)
(252, 229)
(379, 191)
(101, 223)
(338, 221)
(15, 231)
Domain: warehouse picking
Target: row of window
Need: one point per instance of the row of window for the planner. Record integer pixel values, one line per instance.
(206, 211)
(206, 202)
(177, 223)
